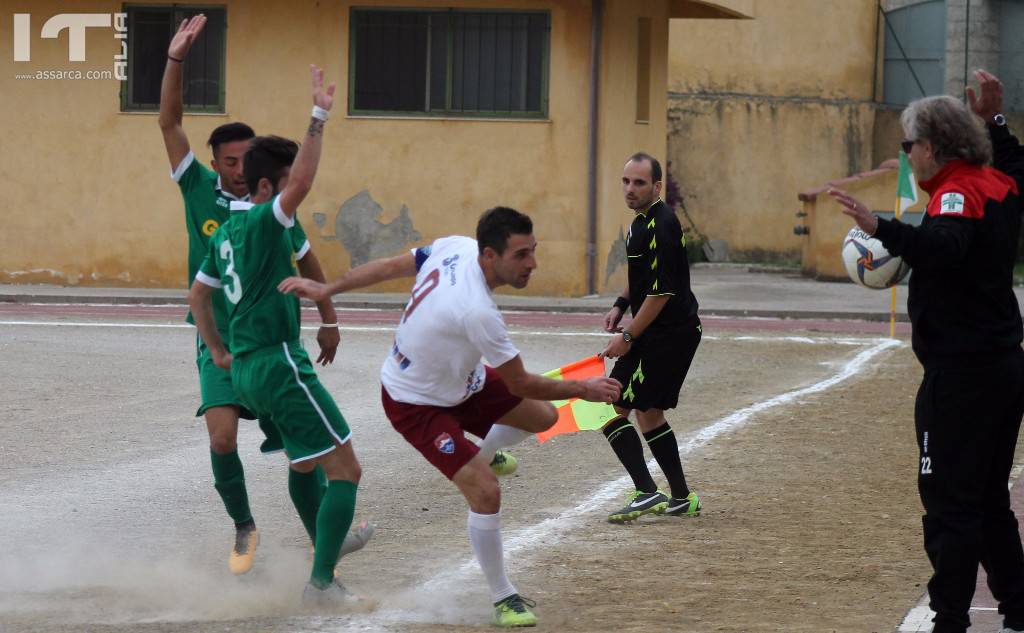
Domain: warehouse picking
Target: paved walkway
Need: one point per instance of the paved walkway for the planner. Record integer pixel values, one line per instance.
(721, 289)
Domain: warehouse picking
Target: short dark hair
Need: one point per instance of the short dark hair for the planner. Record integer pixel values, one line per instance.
(268, 157)
(655, 165)
(497, 225)
(229, 132)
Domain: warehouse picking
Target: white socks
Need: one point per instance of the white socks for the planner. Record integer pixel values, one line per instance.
(485, 535)
(501, 436)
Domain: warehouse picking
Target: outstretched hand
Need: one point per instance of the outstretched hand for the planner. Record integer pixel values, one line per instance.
(305, 288)
(188, 31)
(865, 219)
(321, 97)
(989, 101)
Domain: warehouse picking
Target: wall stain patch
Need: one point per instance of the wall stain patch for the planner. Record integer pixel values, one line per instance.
(358, 227)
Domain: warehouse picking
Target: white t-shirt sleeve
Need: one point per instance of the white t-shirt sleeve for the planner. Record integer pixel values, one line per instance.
(488, 333)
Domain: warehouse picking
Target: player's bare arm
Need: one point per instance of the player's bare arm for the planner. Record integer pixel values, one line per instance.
(526, 385)
(368, 274)
(614, 316)
(175, 140)
(200, 301)
(328, 336)
(300, 179)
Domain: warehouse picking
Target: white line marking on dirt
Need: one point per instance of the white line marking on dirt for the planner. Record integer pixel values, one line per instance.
(918, 620)
(824, 340)
(550, 530)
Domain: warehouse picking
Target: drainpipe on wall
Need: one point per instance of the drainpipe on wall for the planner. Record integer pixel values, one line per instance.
(596, 20)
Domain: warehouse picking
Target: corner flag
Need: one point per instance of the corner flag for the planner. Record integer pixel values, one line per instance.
(575, 414)
(906, 186)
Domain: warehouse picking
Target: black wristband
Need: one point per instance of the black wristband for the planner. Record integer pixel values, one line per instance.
(621, 303)
(175, 59)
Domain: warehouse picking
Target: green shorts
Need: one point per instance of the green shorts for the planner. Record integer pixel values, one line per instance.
(216, 390)
(278, 384)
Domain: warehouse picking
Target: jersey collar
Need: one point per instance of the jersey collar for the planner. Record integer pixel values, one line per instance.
(648, 210)
(228, 194)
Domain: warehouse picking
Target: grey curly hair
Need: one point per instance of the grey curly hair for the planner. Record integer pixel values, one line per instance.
(953, 131)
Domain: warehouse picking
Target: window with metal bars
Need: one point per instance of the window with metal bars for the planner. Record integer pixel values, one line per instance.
(150, 29)
(449, 63)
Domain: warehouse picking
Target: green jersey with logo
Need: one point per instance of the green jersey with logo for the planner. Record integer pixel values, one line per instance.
(207, 206)
(248, 257)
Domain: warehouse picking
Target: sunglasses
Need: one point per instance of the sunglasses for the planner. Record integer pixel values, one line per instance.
(907, 146)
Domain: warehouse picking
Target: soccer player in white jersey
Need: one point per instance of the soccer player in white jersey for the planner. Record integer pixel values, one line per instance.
(436, 387)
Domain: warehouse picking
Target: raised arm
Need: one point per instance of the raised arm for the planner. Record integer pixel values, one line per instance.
(368, 274)
(1007, 152)
(175, 140)
(300, 179)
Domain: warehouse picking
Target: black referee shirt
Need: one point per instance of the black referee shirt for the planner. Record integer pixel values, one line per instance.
(656, 253)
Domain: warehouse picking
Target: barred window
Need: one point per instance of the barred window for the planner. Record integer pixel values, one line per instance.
(449, 62)
(915, 55)
(150, 29)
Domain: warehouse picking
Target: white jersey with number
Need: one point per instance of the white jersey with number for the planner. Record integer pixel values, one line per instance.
(450, 322)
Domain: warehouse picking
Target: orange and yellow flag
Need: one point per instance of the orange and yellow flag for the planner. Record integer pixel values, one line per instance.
(575, 414)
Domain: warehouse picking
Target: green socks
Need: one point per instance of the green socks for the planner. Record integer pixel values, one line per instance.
(306, 490)
(337, 508)
(229, 480)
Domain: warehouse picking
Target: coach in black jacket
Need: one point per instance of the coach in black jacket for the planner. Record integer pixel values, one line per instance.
(967, 334)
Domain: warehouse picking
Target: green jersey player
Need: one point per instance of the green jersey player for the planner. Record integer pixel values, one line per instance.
(208, 195)
(272, 375)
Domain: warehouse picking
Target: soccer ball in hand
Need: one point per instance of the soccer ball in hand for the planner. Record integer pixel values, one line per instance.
(869, 264)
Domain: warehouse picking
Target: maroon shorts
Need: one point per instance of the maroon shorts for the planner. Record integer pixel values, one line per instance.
(437, 432)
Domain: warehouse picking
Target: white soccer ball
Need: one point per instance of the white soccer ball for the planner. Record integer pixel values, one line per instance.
(869, 264)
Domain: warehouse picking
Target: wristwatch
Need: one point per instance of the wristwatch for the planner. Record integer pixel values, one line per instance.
(627, 337)
(998, 120)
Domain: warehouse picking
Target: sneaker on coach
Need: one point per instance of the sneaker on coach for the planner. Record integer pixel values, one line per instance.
(504, 463)
(690, 506)
(514, 611)
(240, 559)
(638, 504)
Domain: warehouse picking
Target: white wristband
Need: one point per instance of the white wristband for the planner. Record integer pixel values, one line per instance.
(334, 325)
(320, 113)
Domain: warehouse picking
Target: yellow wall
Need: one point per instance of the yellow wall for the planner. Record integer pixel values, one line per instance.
(90, 200)
(761, 109)
(620, 134)
(821, 253)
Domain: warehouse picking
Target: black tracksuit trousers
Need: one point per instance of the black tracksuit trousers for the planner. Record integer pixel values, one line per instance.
(967, 415)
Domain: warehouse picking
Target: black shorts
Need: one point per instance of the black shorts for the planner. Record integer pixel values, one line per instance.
(653, 370)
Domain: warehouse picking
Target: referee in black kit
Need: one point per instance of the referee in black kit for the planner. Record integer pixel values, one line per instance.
(967, 334)
(655, 349)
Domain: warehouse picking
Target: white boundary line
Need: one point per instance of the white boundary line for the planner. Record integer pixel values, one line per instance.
(550, 531)
(829, 340)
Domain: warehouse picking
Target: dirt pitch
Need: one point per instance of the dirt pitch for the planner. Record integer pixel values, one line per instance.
(111, 524)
